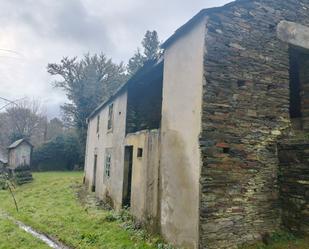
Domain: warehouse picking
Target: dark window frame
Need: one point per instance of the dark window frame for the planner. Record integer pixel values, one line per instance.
(110, 121)
(98, 123)
(107, 165)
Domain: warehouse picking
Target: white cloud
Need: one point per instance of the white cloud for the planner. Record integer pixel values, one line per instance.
(43, 31)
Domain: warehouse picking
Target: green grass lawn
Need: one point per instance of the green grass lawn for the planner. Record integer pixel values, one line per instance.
(11, 237)
(51, 205)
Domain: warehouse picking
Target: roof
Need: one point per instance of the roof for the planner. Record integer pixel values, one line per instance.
(149, 67)
(196, 19)
(19, 142)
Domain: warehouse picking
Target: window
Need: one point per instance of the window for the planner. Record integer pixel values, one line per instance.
(295, 84)
(226, 150)
(110, 117)
(98, 123)
(108, 160)
(94, 173)
(241, 83)
(139, 152)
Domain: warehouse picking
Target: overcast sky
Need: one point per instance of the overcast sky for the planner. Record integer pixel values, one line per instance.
(34, 33)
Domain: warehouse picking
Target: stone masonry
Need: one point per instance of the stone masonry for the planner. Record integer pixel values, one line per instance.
(294, 185)
(245, 111)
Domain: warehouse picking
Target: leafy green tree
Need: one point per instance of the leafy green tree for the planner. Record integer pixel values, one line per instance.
(54, 128)
(151, 51)
(136, 62)
(151, 45)
(63, 152)
(86, 82)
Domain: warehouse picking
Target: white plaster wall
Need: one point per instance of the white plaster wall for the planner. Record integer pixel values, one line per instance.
(19, 154)
(145, 176)
(139, 174)
(181, 126)
(97, 143)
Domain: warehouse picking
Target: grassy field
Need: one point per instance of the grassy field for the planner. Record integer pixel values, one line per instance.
(51, 205)
(11, 237)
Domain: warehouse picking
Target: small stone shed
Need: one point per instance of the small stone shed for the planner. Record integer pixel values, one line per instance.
(19, 153)
(190, 143)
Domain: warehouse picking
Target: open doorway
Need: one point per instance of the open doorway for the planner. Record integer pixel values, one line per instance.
(94, 173)
(127, 180)
(299, 87)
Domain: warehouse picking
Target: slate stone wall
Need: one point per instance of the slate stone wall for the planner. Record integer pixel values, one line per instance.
(294, 185)
(304, 84)
(245, 111)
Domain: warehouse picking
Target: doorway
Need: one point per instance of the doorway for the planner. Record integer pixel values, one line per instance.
(94, 173)
(127, 180)
(299, 87)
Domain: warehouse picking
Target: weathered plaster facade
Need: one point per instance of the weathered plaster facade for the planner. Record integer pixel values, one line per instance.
(145, 177)
(181, 125)
(204, 167)
(19, 154)
(101, 141)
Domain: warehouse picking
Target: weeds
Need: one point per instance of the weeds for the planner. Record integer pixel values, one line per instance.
(130, 224)
(7, 183)
(279, 240)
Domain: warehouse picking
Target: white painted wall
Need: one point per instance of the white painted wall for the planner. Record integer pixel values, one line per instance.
(145, 171)
(181, 126)
(97, 143)
(21, 155)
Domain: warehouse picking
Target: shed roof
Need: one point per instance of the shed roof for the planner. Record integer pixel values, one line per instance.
(19, 142)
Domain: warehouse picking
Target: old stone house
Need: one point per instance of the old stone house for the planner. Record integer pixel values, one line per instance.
(19, 153)
(190, 142)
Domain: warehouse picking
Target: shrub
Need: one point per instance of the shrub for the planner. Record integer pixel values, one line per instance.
(60, 153)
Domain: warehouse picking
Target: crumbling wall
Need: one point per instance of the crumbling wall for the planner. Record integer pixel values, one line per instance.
(22, 174)
(245, 110)
(294, 185)
(180, 158)
(145, 177)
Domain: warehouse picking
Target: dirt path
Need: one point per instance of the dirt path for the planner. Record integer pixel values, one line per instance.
(45, 238)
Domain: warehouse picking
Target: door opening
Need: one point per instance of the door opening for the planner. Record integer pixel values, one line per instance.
(127, 181)
(299, 87)
(94, 173)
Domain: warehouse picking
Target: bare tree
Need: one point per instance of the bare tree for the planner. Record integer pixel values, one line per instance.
(24, 120)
